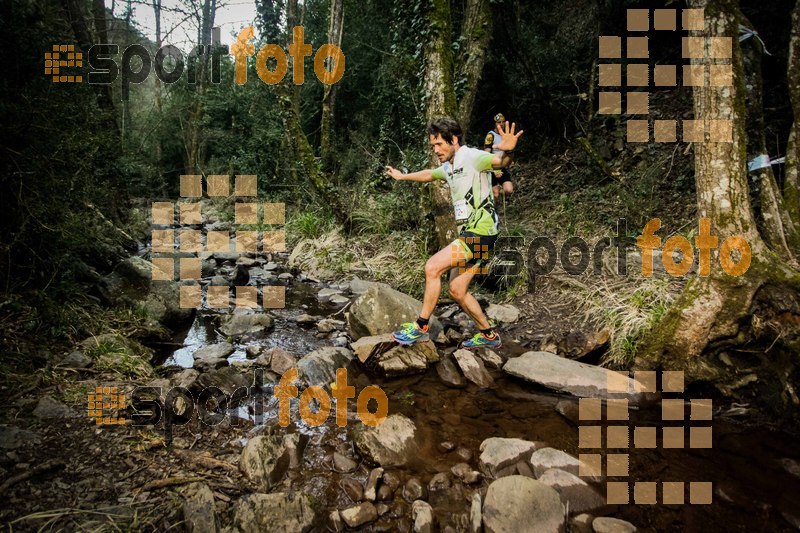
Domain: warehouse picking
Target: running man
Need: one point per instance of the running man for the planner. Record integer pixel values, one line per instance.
(467, 172)
(501, 177)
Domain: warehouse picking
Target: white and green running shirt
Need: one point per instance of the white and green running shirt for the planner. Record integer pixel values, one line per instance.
(468, 179)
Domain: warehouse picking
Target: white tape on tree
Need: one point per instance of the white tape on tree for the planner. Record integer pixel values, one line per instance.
(763, 161)
(758, 162)
(745, 33)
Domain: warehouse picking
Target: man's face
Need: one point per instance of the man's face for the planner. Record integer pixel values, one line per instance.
(498, 127)
(443, 150)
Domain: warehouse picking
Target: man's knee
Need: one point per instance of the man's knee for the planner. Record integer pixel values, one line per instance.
(457, 292)
(432, 270)
(508, 187)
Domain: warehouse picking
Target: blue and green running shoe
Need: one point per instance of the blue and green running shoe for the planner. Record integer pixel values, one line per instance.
(482, 341)
(409, 333)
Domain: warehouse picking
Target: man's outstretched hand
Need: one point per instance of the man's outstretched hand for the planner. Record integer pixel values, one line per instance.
(394, 173)
(508, 137)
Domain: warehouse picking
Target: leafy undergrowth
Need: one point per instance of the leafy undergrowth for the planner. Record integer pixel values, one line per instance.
(397, 259)
(38, 332)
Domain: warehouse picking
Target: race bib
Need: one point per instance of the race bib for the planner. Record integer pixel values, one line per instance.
(461, 210)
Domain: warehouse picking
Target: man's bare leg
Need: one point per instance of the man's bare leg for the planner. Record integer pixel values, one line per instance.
(459, 285)
(437, 265)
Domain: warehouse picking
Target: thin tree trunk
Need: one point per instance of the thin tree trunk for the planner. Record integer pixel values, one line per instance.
(441, 101)
(196, 140)
(126, 105)
(791, 184)
(335, 29)
(773, 221)
(476, 33)
(791, 180)
(158, 147)
(85, 41)
(291, 22)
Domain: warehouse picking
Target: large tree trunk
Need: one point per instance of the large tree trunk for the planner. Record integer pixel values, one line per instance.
(720, 311)
(441, 101)
(335, 28)
(475, 33)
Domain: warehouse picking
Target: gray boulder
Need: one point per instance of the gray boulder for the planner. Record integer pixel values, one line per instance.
(199, 514)
(382, 309)
(50, 408)
(503, 313)
(546, 458)
(606, 524)
(382, 353)
(473, 368)
(581, 523)
(450, 374)
(278, 511)
(359, 286)
(185, 378)
(282, 361)
(77, 359)
(265, 460)
(498, 453)
(246, 324)
(228, 379)
(391, 443)
(131, 284)
(522, 504)
(575, 493)
(360, 514)
(490, 358)
(319, 367)
(338, 299)
(422, 513)
(213, 355)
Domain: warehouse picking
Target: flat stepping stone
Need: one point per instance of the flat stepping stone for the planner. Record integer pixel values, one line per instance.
(579, 379)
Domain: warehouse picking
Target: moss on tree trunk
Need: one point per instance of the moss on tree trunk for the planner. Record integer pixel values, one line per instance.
(475, 35)
(335, 28)
(791, 185)
(440, 101)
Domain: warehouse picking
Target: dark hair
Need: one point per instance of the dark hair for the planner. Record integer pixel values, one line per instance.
(446, 127)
